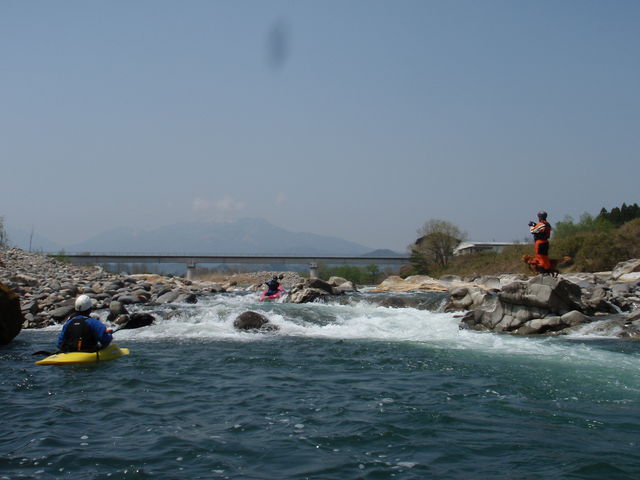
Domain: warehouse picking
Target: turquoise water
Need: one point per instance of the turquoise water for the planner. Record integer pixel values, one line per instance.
(339, 392)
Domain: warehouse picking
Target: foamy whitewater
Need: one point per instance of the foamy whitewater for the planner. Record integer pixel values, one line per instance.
(339, 391)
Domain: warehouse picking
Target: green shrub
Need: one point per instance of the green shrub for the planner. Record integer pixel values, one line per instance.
(628, 238)
(368, 275)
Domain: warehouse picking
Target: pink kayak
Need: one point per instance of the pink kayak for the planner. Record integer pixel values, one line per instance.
(264, 297)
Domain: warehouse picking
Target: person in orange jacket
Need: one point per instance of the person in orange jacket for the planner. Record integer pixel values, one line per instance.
(541, 232)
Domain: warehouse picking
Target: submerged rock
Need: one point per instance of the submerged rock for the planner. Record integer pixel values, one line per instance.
(253, 321)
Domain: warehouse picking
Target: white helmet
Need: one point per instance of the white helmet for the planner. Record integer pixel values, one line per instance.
(83, 303)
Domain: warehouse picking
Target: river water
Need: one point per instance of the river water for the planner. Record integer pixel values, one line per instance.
(353, 391)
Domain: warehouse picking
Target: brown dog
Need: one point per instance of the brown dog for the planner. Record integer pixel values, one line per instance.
(535, 268)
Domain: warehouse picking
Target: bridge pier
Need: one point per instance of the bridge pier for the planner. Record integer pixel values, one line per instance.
(191, 270)
(313, 270)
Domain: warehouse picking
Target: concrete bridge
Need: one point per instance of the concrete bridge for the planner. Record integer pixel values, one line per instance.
(192, 260)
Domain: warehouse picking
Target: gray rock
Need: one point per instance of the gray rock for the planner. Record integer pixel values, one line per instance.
(574, 318)
(216, 288)
(337, 281)
(310, 290)
(141, 293)
(467, 298)
(621, 288)
(633, 316)
(121, 319)
(546, 292)
(116, 309)
(541, 325)
(61, 312)
(161, 290)
(168, 297)
(417, 302)
(187, 298)
(489, 281)
(622, 268)
(31, 307)
(316, 283)
(137, 320)
(23, 279)
(128, 299)
(253, 321)
(597, 300)
(305, 295)
(537, 306)
(346, 287)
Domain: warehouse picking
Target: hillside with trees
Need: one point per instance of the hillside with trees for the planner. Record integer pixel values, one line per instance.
(594, 243)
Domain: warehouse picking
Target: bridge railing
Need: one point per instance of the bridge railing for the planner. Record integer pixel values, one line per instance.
(192, 260)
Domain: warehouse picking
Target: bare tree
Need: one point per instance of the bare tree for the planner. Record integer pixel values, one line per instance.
(435, 244)
(4, 240)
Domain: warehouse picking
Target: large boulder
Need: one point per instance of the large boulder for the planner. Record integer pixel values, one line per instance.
(310, 290)
(304, 295)
(342, 285)
(542, 291)
(11, 318)
(253, 321)
(542, 304)
(319, 284)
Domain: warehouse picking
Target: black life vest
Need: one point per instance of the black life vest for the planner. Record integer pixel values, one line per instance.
(79, 336)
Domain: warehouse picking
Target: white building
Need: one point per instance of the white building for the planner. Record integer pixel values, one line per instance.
(465, 248)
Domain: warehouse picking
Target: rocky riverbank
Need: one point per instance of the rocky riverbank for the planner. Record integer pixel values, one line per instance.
(541, 305)
(47, 287)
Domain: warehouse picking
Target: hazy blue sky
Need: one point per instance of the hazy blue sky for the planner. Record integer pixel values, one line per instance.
(357, 119)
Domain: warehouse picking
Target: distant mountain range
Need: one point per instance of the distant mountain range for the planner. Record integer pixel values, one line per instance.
(249, 236)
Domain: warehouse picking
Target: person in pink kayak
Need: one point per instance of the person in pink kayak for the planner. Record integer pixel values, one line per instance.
(273, 286)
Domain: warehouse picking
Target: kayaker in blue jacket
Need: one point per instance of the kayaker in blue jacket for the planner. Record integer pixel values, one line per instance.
(273, 285)
(81, 332)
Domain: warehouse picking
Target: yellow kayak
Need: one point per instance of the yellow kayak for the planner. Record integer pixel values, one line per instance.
(110, 353)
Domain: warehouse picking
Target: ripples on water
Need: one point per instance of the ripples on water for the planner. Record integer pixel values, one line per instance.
(340, 392)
